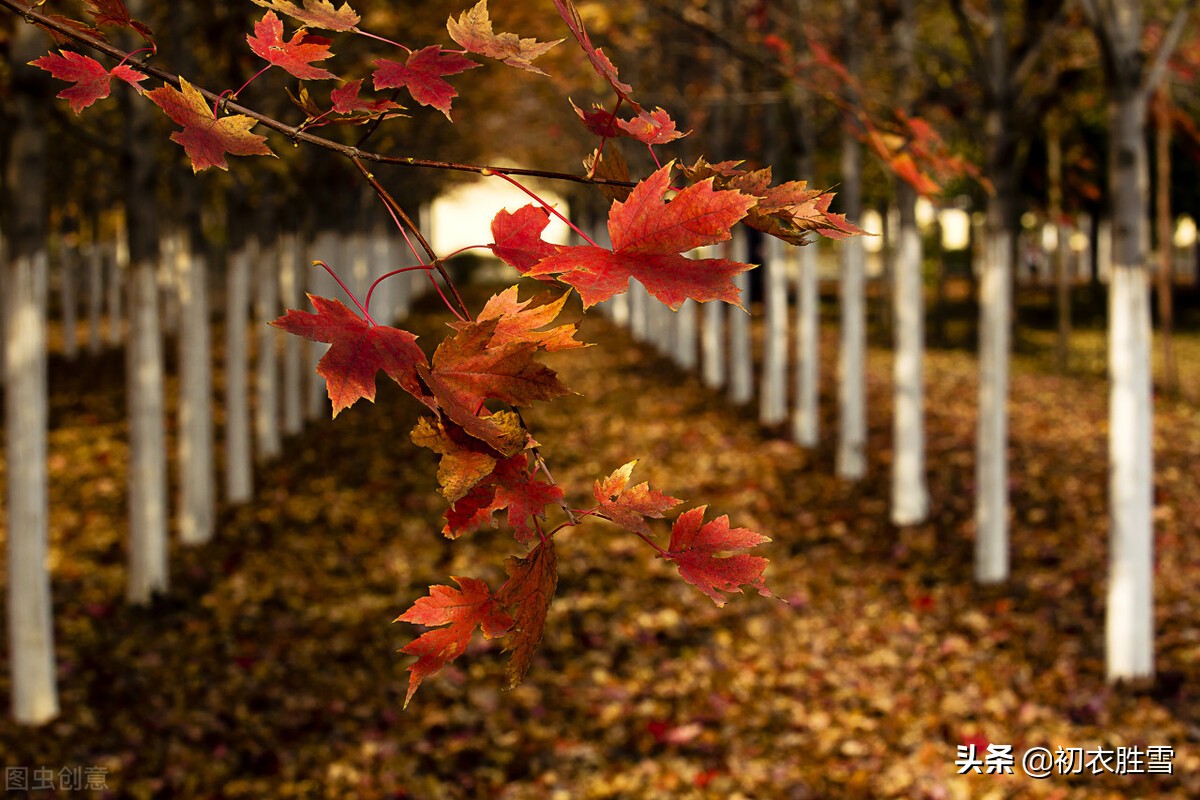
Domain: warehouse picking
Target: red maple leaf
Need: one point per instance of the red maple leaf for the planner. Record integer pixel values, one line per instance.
(294, 55)
(651, 127)
(648, 127)
(518, 236)
(358, 350)
(114, 13)
(519, 322)
(465, 460)
(346, 100)
(789, 211)
(467, 370)
(473, 30)
(648, 236)
(599, 61)
(422, 74)
(510, 486)
(462, 611)
(92, 81)
(694, 548)
(530, 587)
(316, 13)
(206, 138)
(629, 506)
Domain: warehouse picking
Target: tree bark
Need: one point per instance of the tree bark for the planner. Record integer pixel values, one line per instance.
(1054, 170)
(239, 471)
(991, 454)
(772, 401)
(741, 353)
(289, 294)
(851, 460)
(910, 496)
(1166, 240)
(30, 621)
(68, 263)
(197, 495)
(95, 292)
(266, 301)
(1130, 610)
(147, 438)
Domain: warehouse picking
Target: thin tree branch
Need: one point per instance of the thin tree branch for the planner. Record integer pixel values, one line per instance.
(1041, 38)
(293, 132)
(1166, 48)
(972, 42)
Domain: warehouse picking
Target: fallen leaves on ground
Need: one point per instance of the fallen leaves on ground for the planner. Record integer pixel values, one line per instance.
(271, 669)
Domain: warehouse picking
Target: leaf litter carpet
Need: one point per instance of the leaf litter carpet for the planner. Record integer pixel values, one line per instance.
(270, 668)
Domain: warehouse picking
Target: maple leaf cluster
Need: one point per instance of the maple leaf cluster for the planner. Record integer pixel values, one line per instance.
(489, 464)
(491, 470)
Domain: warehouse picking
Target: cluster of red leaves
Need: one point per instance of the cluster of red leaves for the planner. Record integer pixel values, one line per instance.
(479, 376)
(490, 463)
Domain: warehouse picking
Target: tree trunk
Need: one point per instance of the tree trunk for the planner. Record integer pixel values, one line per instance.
(266, 301)
(910, 496)
(806, 412)
(741, 353)
(197, 496)
(1166, 240)
(147, 439)
(1054, 170)
(683, 350)
(1130, 611)
(68, 262)
(852, 350)
(712, 345)
(772, 401)
(118, 269)
(239, 471)
(289, 289)
(995, 304)
(95, 291)
(30, 620)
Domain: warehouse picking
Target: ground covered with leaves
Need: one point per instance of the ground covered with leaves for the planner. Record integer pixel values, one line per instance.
(270, 669)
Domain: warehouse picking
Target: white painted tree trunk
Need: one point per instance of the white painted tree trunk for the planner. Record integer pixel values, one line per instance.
(266, 301)
(638, 311)
(662, 326)
(68, 298)
(95, 296)
(239, 471)
(910, 496)
(772, 399)
(290, 267)
(1130, 610)
(741, 351)
(806, 412)
(30, 624)
(684, 337)
(851, 460)
(712, 345)
(991, 459)
(147, 441)
(168, 283)
(1129, 628)
(197, 494)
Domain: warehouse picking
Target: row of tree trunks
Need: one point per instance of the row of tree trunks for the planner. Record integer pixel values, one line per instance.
(25, 282)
